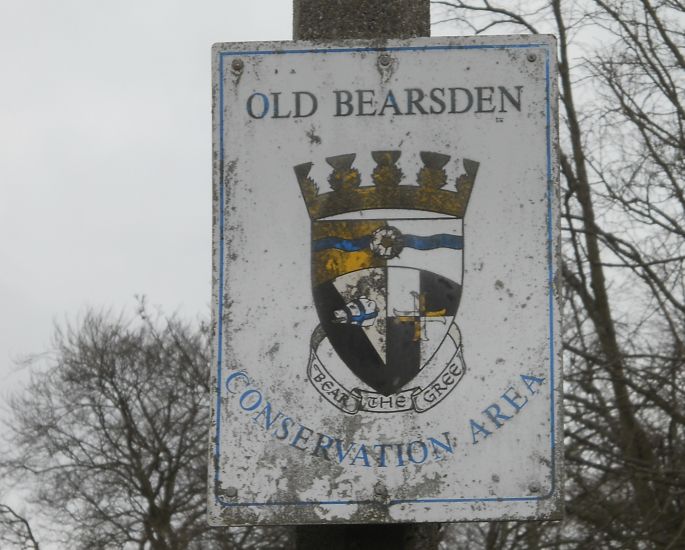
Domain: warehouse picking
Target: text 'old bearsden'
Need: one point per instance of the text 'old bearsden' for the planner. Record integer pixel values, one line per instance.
(403, 102)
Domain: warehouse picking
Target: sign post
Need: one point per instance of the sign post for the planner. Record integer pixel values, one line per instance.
(386, 343)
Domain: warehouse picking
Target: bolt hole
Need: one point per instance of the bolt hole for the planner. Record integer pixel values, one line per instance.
(385, 60)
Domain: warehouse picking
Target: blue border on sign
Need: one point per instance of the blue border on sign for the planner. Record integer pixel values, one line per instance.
(550, 269)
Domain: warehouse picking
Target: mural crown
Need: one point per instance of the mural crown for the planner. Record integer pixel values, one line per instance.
(348, 195)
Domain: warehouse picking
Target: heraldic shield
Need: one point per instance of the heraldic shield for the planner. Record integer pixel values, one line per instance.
(386, 268)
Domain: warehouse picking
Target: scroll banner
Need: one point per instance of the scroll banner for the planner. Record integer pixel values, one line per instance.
(419, 399)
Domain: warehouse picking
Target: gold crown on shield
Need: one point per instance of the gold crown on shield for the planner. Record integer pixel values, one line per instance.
(348, 195)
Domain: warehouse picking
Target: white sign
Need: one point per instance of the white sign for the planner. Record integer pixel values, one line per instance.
(386, 331)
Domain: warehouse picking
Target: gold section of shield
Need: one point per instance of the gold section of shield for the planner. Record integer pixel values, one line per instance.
(331, 263)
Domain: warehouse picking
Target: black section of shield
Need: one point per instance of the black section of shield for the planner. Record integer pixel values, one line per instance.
(439, 293)
(350, 341)
(403, 348)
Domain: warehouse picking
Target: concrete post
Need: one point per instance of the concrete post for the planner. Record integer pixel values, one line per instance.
(328, 20)
(336, 19)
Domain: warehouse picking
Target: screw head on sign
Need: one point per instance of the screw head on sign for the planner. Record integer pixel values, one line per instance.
(531, 57)
(231, 492)
(237, 65)
(380, 490)
(385, 59)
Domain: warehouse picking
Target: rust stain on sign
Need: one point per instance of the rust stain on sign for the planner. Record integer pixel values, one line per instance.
(386, 342)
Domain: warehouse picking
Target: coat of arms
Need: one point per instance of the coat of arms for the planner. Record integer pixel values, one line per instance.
(387, 271)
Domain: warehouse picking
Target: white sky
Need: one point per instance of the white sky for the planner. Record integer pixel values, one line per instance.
(105, 156)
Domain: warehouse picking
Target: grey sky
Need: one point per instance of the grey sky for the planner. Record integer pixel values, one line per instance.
(105, 156)
(105, 166)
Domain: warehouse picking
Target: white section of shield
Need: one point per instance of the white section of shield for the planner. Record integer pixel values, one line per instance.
(403, 287)
(370, 283)
(263, 310)
(443, 261)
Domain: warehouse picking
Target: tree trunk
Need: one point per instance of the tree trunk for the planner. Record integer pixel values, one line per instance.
(633, 439)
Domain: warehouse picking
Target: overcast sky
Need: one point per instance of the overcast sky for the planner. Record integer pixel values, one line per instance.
(105, 156)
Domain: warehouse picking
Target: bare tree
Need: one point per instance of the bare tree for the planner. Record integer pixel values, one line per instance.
(622, 165)
(15, 530)
(113, 436)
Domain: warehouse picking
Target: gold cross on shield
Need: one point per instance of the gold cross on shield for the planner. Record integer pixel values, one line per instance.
(420, 316)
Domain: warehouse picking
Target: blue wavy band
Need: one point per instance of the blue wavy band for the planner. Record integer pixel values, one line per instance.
(348, 245)
(430, 242)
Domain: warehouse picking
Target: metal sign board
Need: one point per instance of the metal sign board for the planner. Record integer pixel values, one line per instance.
(386, 330)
